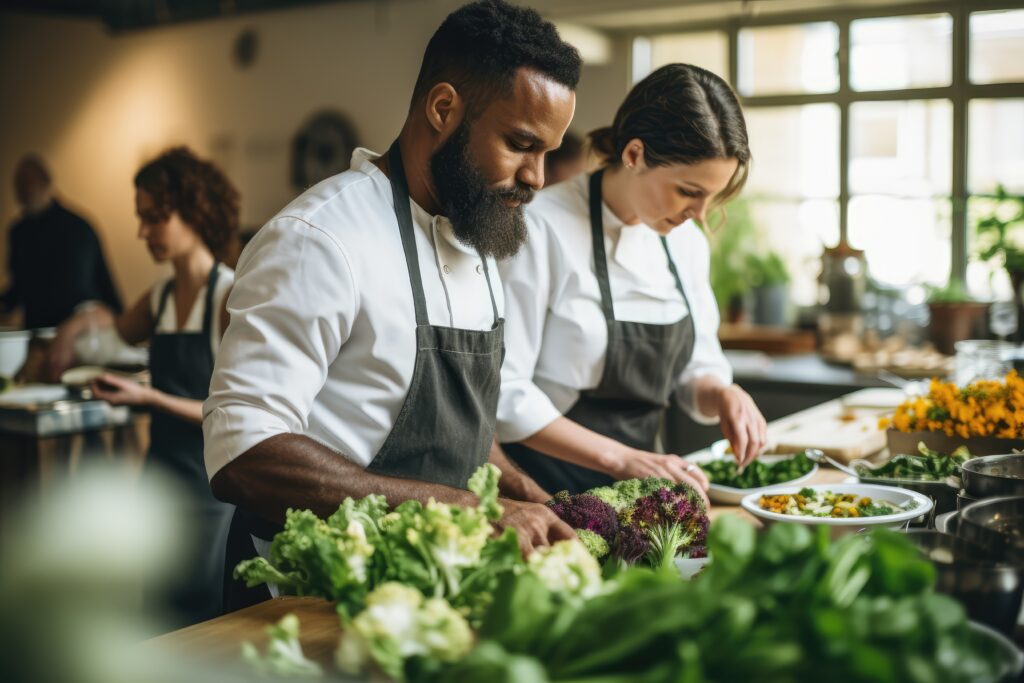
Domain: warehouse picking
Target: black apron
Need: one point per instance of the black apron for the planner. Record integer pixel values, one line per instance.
(642, 365)
(445, 427)
(181, 364)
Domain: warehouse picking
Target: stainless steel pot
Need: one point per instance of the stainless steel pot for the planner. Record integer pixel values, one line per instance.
(993, 475)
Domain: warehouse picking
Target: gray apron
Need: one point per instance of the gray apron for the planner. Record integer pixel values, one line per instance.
(642, 365)
(181, 364)
(445, 427)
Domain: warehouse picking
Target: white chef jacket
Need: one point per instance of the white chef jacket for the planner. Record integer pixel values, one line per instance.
(322, 339)
(555, 332)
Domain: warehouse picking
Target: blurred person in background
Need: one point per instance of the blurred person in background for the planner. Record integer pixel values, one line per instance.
(188, 211)
(55, 260)
(566, 161)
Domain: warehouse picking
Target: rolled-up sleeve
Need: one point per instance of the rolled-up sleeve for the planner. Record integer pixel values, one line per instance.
(523, 409)
(291, 309)
(708, 358)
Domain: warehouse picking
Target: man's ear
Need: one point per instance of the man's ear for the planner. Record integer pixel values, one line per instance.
(444, 109)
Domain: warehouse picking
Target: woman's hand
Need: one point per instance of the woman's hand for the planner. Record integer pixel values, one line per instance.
(637, 464)
(120, 391)
(742, 424)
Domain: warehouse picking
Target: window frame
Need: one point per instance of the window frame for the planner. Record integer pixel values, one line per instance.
(959, 92)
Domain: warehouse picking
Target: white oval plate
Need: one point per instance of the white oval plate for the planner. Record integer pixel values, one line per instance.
(730, 495)
(889, 494)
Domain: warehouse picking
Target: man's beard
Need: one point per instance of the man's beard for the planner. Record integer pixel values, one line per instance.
(479, 217)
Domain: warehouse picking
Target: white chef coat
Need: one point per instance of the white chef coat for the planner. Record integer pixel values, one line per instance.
(322, 339)
(555, 332)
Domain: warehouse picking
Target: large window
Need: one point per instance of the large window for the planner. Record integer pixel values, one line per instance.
(886, 130)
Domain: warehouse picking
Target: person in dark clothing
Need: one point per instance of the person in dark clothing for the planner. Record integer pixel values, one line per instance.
(55, 259)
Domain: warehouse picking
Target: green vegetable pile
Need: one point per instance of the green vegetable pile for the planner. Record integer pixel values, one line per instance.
(928, 466)
(786, 607)
(444, 551)
(724, 472)
(409, 583)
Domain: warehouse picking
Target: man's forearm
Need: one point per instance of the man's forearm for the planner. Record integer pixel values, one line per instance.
(514, 482)
(294, 471)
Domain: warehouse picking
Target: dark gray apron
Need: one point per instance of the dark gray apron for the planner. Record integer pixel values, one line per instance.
(445, 427)
(642, 365)
(181, 364)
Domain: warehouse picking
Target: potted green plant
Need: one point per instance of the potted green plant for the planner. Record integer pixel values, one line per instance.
(954, 315)
(731, 242)
(999, 235)
(768, 277)
(745, 274)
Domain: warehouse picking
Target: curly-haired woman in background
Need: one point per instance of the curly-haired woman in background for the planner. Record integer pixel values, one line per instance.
(188, 211)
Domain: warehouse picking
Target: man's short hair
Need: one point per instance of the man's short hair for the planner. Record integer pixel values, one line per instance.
(479, 47)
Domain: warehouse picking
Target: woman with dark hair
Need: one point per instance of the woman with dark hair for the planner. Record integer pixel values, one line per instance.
(188, 211)
(610, 313)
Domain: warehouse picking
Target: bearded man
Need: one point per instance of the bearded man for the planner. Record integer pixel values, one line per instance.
(366, 332)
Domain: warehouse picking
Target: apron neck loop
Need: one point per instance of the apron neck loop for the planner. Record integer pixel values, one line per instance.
(403, 212)
(211, 285)
(597, 235)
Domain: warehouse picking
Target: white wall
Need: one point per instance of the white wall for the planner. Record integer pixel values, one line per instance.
(97, 105)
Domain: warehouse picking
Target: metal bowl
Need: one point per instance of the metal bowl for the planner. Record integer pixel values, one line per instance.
(990, 592)
(963, 500)
(997, 524)
(942, 494)
(993, 475)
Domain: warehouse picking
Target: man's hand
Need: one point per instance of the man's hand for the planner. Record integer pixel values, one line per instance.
(535, 524)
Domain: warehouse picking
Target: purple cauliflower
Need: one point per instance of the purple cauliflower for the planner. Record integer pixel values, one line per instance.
(672, 520)
(584, 511)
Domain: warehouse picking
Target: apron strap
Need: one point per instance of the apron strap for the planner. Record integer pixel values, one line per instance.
(400, 193)
(163, 304)
(490, 290)
(597, 236)
(211, 284)
(675, 275)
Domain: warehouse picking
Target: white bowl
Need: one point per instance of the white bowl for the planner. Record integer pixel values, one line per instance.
(689, 567)
(844, 525)
(730, 495)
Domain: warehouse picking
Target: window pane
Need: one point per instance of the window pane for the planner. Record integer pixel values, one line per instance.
(906, 241)
(708, 49)
(901, 148)
(798, 231)
(997, 46)
(901, 52)
(789, 59)
(795, 151)
(987, 279)
(995, 145)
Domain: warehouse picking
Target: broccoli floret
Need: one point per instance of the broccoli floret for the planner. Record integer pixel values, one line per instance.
(595, 545)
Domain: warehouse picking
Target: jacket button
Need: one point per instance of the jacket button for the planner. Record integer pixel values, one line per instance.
(479, 269)
(447, 270)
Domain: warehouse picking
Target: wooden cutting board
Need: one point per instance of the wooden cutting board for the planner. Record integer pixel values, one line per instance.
(842, 432)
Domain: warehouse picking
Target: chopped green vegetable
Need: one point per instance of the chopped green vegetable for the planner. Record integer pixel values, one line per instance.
(757, 474)
(928, 466)
(284, 653)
